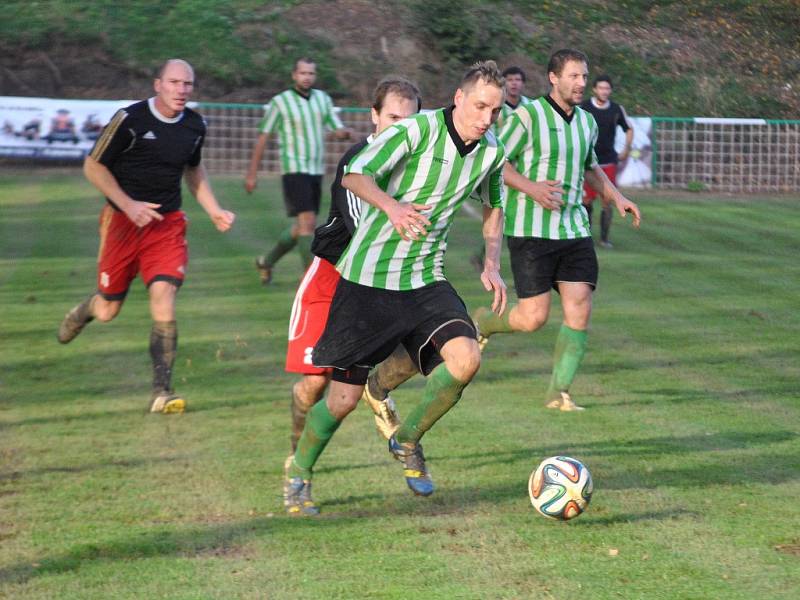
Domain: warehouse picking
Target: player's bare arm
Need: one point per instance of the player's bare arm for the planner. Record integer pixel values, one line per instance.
(545, 193)
(251, 179)
(343, 133)
(490, 277)
(406, 218)
(140, 213)
(628, 144)
(608, 191)
(200, 187)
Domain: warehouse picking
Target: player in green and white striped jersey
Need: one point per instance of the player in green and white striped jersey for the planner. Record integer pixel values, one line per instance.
(551, 143)
(413, 177)
(299, 116)
(515, 83)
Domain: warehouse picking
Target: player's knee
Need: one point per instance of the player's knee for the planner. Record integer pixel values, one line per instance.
(531, 321)
(104, 310)
(464, 361)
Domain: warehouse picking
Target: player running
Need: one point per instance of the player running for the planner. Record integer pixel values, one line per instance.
(551, 142)
(414, 177)
(137, 163)
(394, 99)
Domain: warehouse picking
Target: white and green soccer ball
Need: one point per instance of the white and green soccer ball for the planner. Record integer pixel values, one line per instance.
(560, 488)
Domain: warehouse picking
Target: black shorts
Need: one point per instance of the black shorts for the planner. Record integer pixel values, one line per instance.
(539, 264)
(301, 193)
(366, 324)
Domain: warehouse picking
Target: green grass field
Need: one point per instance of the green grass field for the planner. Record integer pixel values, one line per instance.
(692, 427)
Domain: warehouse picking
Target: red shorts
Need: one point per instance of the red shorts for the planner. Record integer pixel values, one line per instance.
(588, 191)
(309, 315)
(158, 251)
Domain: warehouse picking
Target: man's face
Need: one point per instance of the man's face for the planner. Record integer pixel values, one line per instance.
(304, 75)
(602, 91)
(571, 83)
(395, 108)
(173, 88)
(477, 109)
(514, 85)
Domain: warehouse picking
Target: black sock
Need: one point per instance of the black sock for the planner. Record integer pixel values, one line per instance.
(163, 345)
(605, 222)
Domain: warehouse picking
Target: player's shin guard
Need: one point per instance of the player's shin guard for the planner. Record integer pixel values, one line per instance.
(442, 391)
(163, 345)
(285, 243)
(304, 248)
(570, 348)
(319, 429)
(391, 373)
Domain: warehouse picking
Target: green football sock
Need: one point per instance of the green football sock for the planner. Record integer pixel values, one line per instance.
(442, 391)
(489, 322)
(570, 348)
(319, 429)
(304, 248)
(392, 372)
(285, 243)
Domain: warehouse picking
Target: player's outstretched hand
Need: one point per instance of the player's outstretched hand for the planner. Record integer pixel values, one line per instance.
(626, 206)
(223, 220)
(493, 282)
(142, 213)
(250, 183)
(548, 194)
(409, 221)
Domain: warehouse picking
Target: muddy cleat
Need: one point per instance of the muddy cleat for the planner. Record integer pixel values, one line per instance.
(74, 322)
(167, 403)
(416, 474)
(482, 341)
(564, 403)
(606, 244)
(387, 420)
(297, 497)
(264, 270)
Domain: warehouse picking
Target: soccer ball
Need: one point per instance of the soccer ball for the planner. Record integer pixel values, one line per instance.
(560, 488)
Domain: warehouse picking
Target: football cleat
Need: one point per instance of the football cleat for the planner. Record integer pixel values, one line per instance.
(72, 325)
(414, 470)
(297, 497)
(167, 403)
(264, 270)
(387, 420)
(564, 403)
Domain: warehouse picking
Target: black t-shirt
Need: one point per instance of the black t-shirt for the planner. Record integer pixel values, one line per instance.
(147, 153)
(331, 239)
(607, 119)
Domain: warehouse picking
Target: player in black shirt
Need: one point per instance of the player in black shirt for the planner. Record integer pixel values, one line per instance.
(137, 163)
(609, 115)
(395, 98)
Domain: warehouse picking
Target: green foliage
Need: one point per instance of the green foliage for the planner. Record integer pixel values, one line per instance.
(467, 31)
(691, 428)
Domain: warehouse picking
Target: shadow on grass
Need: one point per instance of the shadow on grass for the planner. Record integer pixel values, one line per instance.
(16, 475)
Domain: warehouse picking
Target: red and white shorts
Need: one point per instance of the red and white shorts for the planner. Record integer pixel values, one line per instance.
(309, 315)
(158, 251)
(589, 193)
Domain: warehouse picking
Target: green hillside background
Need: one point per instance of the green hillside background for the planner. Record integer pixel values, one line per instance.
(739, 58)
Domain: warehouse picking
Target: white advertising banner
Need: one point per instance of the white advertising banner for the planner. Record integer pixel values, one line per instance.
(52, 129)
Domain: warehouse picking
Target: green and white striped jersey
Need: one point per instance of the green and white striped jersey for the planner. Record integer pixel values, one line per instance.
(420, 160)
(505, 113)
(542, 143)
(300, 123)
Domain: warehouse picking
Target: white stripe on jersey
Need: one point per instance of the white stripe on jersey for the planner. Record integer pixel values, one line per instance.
(353, 206)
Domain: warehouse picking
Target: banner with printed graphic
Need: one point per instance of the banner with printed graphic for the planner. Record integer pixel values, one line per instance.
(636, 170)
(51, 129)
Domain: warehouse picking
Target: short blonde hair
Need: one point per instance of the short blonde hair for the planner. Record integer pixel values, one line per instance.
(486, 71)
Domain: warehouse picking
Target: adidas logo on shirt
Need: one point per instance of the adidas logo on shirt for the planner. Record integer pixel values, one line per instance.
(149, 136)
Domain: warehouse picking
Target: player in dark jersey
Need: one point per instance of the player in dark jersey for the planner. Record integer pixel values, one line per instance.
(608, 115)
(395, 98)
(137, 163)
